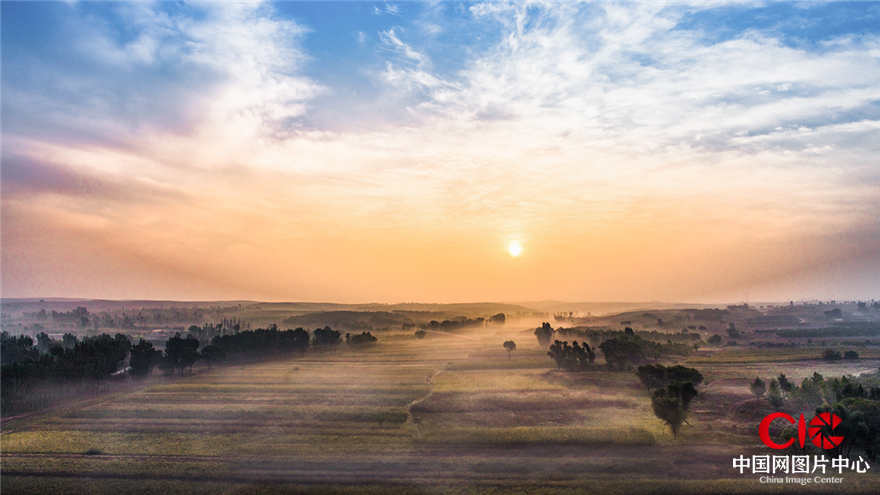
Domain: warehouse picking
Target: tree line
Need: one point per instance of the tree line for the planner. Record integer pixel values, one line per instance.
(26, 363)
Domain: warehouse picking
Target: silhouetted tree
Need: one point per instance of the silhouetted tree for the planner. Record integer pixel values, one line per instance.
(572, 357)
(671, 404)
(544, 333)
(44, 342)
(143, 358)
(181, 353)
(510, 346)
(212, 354)
(758, 387)
(623, 353)
(360, 340)
(325, 337)
(498, 318)
(785, 385)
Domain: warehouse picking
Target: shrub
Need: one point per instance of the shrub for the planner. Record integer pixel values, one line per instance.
(831, 355)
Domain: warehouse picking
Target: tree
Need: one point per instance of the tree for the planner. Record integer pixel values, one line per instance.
(143, 358)
(831, 355)
(44, 342)
(212, 354)
(655, 376)
(498, 318)
(326, 337)
(420, 334)
(544, 333)
(774, 393)
(360, 340)
(68, 341)
(784, 384)
(671, 404)
(510, 346)
(732, 332)
(574, 357)
(758, 387)
(622, 353)
(850, 355)
(714, 340)
(181, 353)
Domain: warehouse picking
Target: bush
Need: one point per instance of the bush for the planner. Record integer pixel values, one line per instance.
(850, 355)
(831, 355)
(360, 340)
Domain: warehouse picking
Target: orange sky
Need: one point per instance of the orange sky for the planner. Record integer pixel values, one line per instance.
(674, 184)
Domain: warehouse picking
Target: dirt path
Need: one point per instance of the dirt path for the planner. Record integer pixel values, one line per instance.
(410, 419)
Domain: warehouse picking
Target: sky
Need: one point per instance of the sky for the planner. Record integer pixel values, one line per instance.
(389, 152)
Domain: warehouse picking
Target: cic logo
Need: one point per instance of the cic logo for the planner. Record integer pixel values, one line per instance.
(819, 430)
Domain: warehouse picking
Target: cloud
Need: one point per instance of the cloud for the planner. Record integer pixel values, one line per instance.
(26, 179)
(621, 138)
(220, 68)
(391, 42)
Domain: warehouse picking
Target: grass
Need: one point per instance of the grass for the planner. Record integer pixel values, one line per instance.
(543, 435)
(339, 423)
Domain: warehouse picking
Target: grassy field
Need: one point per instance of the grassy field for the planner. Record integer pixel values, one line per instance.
(450, 413)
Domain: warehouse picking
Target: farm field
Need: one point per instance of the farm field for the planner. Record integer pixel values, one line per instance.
(448, 413)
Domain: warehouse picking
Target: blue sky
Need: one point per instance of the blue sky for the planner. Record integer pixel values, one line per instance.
(755, 124)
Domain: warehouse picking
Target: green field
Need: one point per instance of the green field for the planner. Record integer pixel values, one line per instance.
(450, 413)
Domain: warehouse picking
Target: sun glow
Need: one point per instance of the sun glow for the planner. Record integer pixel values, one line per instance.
(514, 248)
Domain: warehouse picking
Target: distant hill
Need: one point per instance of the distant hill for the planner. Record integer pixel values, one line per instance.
(605, 308)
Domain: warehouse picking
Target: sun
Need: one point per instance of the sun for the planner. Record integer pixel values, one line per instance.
(514, 248)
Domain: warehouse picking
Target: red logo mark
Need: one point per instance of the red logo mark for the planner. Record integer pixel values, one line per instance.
(819, 430)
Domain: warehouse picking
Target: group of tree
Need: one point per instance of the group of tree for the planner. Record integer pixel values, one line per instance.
(361, 339)
(674, 388)
(859, 425)
(574, 357)
(682, 340)
(460, 322)
(326, 337)
(263, 342)
(622, 349)
(26, 363)
(856, 403)
(813, 391)
(835, 355)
